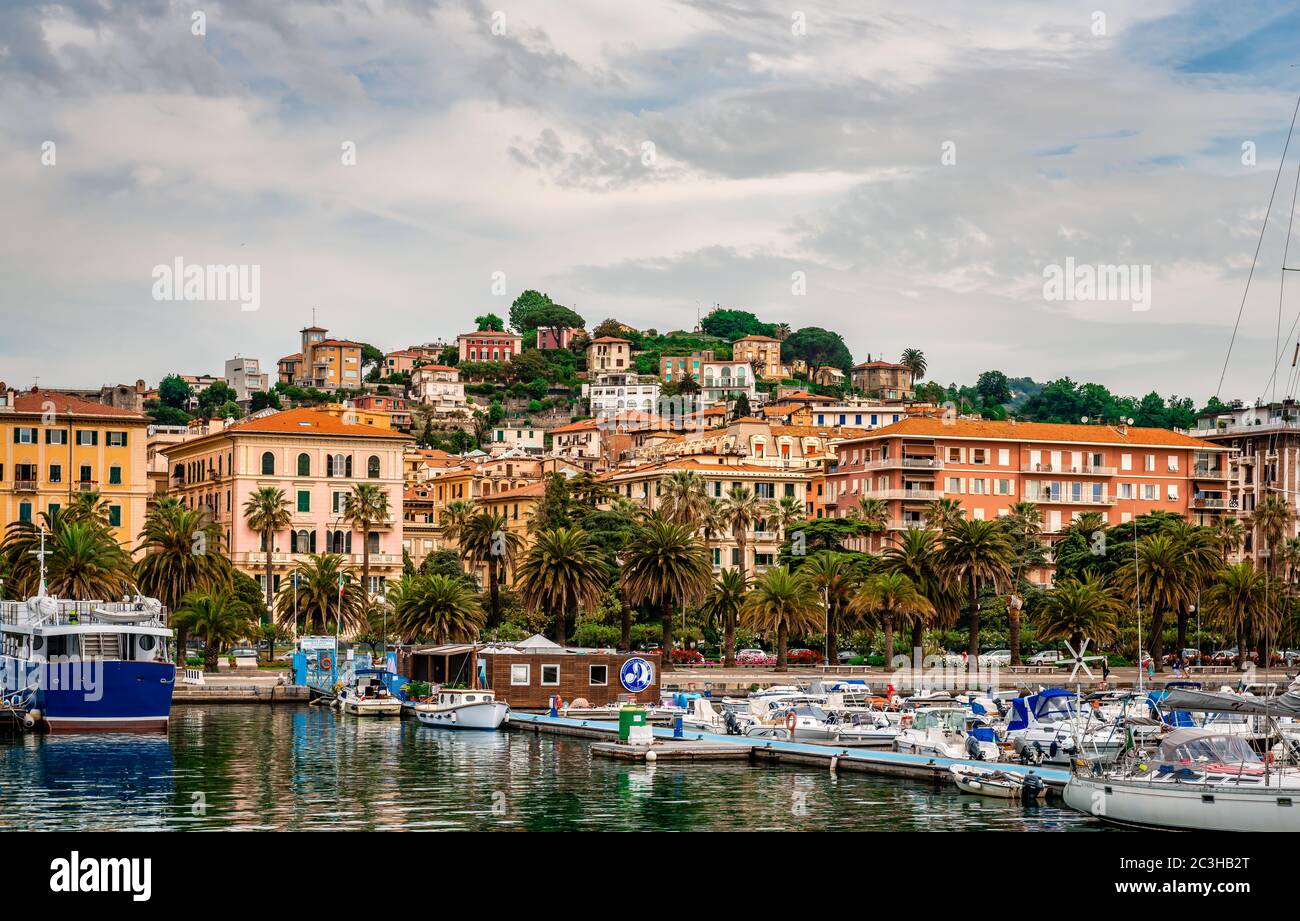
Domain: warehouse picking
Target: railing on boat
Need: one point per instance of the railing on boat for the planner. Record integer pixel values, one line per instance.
(16, 613)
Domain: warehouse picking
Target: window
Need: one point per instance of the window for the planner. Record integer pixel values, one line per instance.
(1004, 457)
(24, 511)
(25, 436)
(1149, 463)
(1173, 493)
(304, 500)
(268, 464)
(952, 484)
(1173, 462)
(598, 676)
(115, 439)
(115, 476)
(372, 467)
(115, 516)
(1004, 487)
(304, 465)
(550, 675)
(979, 456)
(85, 437)
(519, 674)
(56, 473)
(1126, 462)
(56, 437)
(85, 474)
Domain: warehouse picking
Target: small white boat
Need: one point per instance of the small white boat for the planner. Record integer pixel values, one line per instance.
(1002, 784)
(461, 708)
(940, 732)
(366, 695)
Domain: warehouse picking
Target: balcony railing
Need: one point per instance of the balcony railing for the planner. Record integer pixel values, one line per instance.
(1209, 503)
(25, 485)
(925, 463)
(906, 495)
(87, 485)
(1067, 499)
(1203, 472)
(1081, 470)
(907, 524)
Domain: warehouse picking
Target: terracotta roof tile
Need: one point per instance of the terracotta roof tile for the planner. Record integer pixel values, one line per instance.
(1005, 430)
(41, 401)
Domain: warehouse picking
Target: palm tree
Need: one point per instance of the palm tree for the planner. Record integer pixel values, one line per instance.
(782, 603)
(785, 513)
(1201, 561)
(1271, 520)
(329, 598)
(363, 508)
(454, 516)
(486, 540)
(915, 553)
(22, 542)
(86, 562)
(217, 616)
(723, 604)
(832, 575)
(1236, 603)
(873, 513)
(182, 553)
(436, 609)
(1228, 534)
(665, 565)
(941, 513)
(563, 569)
(682, 499)
(743, 509)
(915, 361)
(976, 554)
(713, 521)
(1158, 579)
(1024, 524)
(267, 511)
(886, 595)
(1073, 609)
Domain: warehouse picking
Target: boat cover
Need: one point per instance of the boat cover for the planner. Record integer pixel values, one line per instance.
(1287, 704)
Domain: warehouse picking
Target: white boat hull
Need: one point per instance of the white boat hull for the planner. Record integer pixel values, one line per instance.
(483, 715)
(373, 707)
(1185, 805)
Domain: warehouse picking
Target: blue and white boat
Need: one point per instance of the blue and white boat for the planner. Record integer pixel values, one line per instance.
(77, 666)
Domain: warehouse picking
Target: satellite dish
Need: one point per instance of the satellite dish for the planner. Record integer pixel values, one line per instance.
(1084, 420)
(1130, 420)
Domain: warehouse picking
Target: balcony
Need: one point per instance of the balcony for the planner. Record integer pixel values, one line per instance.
(25, 485)
(913, 462)
(1209, 503)
(1203, 472)
(905, 495)
(87, 485)
(1064, 499)
(907, 524)
(1081, 470)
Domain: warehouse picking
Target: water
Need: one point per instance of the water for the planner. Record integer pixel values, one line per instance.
(298, 768)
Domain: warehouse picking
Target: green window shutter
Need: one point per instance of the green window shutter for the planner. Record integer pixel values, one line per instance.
(115, 515)
(115, 475)
(304, 500)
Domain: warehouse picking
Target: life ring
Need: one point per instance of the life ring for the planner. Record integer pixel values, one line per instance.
(791, 720)
(326, 663)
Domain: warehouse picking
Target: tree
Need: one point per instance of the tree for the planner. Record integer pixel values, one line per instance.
(1227, 534)
(742, 409)
(915, 361)
(722, 605)
(489, 322)
(1236, 603)
(1024, 524)
(86, 562)
(942, 513)
(562, 570)
(743, 509)
(1073, 609)
(818, 348)
(831, 575)
(267, 511)
(532, 309)
(976, 554)
(263, 399)
(884, 597)
(1270, 521)
(556, 508)
(665, 565)
(436, 608)
(682, 499)
(174, 392)
(217, 616)
(372, 358)
(609, 328)
(214, 398)
(182, 552)
(363, 508)
(993, 388)
(781, 603)
(915, 554)
(1159, 581)
(486, 540)
(552, 316)
(734, 324)
(329, 600)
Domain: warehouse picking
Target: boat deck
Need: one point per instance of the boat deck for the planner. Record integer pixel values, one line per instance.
(871, 761)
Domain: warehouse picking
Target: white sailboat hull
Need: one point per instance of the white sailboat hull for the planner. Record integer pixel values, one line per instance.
(1187, 806)
(373, 707)
(482, 715)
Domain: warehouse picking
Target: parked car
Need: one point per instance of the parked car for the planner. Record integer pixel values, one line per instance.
(1045, 657)
(847, 655)
(996, 657)
(1189, 657)
(244, 652)
(753, 657)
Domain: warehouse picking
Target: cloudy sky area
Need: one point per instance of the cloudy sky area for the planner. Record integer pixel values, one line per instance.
(775, 153)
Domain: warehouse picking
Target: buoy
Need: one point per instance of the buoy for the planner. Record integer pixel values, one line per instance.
(651, 756)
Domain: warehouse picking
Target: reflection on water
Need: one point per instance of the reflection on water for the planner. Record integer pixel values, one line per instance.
(300, 768)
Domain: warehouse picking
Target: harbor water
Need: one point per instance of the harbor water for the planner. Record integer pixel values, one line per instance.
(257, 767)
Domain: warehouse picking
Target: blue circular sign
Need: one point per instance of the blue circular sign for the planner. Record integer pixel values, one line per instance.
(636, 674)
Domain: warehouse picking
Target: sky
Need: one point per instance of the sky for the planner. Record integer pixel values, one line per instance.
(902, 173)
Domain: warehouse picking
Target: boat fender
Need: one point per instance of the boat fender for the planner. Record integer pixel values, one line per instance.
(835, 763)
(28, 721)
(35, 714)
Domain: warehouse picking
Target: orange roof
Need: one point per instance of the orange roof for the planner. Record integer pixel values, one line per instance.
(583, 426)
(610, 339)
(757, 339)
(803, 396)
(296, 356)
(436, 368)
(1006, 430)
(523, 492)
(821, 431)
(490, 334)
(695, 464)
(880, 364)
(304, 421)
(42, 401)
(340, 343)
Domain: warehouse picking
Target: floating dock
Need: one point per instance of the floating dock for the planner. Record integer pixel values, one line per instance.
(701, 746)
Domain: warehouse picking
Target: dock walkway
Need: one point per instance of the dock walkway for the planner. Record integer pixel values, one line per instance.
(870, 761)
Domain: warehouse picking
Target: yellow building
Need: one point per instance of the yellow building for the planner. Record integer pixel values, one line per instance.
(763, 353)
(516, 505)
(57, 446)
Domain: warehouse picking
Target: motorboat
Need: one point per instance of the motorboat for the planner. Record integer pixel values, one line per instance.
(998, 783)
(1050, 728)
(865, 728)
(461, 708)
(944, 732)
(1200, 779)
(367, 695)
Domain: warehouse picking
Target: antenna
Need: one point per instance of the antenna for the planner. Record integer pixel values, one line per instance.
(41, 555)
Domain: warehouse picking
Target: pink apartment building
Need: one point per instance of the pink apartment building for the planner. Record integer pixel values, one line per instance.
(315, 458)
(1066, 470)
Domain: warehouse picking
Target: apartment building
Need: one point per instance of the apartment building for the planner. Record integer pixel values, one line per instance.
(610, 394)
(1118, 471)
(556, 337)
(608, 353)
(402, 361)
(644, 485)
(681, 367)
(489, 345)
(245, 377)
(763, 353)
(324, 363)
(723, 381)
(394, 408)
(578, 441)
(517, 437)
(884, 379)
(315, 458)
(54, 447)
(439, 389)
